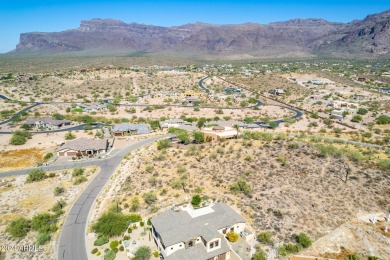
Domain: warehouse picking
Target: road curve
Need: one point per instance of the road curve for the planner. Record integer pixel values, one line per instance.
(71, 244)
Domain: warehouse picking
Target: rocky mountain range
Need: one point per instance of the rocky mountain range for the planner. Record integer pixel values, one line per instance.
(370, 36)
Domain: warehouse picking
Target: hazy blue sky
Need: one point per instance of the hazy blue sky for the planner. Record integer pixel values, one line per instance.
(18, 16)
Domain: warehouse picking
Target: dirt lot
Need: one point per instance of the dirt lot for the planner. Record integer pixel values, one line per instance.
(294, 188)
(19, 198)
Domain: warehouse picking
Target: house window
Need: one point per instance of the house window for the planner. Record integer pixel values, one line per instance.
(211, 245)
(181, 245)
(190, 244)
(216, 243)
(232, 229)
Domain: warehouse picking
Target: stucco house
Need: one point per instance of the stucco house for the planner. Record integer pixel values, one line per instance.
(184, 233)
(217, 133)
(129, 129)
(84, 147)
(46, 122)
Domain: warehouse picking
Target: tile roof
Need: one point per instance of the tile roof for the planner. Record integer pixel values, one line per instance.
(175, 227)
(83, 144)
(140, 128)
(46, 120)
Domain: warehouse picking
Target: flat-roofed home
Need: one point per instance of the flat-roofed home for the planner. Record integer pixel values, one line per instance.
(46, 122)
(130, 129)
(84, 147)
(277, 91)
(176, 122)
(228, 123)
(185, 233)
(217, 133)
(92, 107)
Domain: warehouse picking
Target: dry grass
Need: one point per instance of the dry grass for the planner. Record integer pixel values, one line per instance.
(18, 159)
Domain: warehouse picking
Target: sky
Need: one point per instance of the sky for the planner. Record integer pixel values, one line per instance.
(19, 16)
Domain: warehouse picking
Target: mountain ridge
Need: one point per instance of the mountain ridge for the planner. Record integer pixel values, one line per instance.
(314, 36)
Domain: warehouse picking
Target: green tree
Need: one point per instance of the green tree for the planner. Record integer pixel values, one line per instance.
(44, 222)
(198, 137)
(111, 224)
(201, 122)
(154, 124)
(58, 116)
(272, 125)
(17, 140)
(184, 137)
(36, 175)
(241, 186)
(196, 200)
(43, 238)
(19, 227)
(134, 204)
(142, 253)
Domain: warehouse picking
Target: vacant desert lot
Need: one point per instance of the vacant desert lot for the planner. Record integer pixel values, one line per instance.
(22, 199)
(294, 186)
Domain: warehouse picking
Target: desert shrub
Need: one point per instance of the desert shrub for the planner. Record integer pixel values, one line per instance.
(142, 223)
(69, 136)
(184, 137)
(19, 227)
(248, 158)
(48, 156)
(78, 171)
(199, 137)
(232, 236)
(163, 144)
(142, 253)
(121, 248)
(385, 164)
(362, 111)
(58, 191)
(373, 258)
(42, 238)
(79, 179)
(353, 257)
(196, 200)
(20, 137)
(114, 244)
(44, 222)
(150, 198)
(111, 224)
(264, 237)
(94, 251)
(59, 205)
(383, 120)
(134, 204)
(287, 249)
(98, 253)
(259, 254)
(259, 136)
(135, 218)
(241, 186)
(36, 175)
(156, 253)
(303, 240)
(328, 150)
(357, 118)
(109, 255)
(101, 240)
(282, 160)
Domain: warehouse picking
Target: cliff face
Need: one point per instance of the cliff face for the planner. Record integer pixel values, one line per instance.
(370, 36)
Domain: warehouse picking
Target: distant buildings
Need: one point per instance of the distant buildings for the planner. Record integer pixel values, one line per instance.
(277, 91)
(92, 107)
(217, 133)
(46, 122)
(188, 233)
(130, 129)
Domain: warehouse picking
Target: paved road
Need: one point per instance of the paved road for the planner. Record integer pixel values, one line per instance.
(72, 237)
